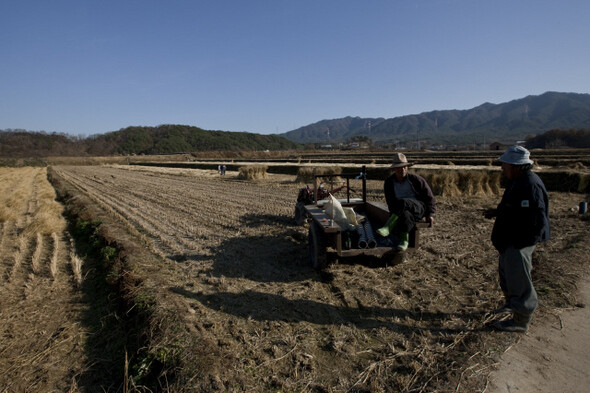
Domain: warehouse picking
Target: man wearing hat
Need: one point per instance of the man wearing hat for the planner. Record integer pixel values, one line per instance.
(409, 199)
(522, 221)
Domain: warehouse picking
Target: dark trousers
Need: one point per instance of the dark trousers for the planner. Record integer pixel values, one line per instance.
(409, 211)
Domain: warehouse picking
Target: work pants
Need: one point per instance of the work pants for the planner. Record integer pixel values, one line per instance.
(515, 267)
(409, 211)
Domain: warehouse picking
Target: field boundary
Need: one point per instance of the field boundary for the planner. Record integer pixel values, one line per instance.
(148, 354)
(555, 179)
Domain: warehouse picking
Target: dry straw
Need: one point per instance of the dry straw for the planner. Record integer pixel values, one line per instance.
(252, 172)
(306, 174)
(36, 259)
(454, 183)
(54, 256)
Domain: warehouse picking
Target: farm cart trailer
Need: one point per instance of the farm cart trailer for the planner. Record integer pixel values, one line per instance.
(328, 242)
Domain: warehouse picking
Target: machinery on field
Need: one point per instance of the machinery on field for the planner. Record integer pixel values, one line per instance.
(328, 240)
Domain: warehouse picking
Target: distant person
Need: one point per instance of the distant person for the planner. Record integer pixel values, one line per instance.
(223, 169)
(409, 199)
(219, 169)
(522, 221)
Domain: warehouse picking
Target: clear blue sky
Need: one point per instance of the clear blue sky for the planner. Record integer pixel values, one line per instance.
(270, 66)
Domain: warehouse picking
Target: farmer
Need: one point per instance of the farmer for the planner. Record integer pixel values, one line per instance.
(522, 221)
(409, 199)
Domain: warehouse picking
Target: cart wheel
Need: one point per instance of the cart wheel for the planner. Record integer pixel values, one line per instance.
(317, 247)
(300, 213)
(394, 258)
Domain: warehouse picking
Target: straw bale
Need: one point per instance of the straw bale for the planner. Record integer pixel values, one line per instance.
(253, 172)
(306, 173)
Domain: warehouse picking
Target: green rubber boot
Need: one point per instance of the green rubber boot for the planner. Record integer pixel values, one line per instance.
(404, 241)
(385, 230)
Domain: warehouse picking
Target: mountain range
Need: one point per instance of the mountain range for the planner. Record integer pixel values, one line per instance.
(506, 123)
(484, 124)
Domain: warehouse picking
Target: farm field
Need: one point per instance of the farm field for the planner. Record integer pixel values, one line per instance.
(42, 342)
(254, 315)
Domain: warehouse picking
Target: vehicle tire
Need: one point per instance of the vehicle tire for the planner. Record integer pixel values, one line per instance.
(393, 258)
(300, 214)
(317, 247)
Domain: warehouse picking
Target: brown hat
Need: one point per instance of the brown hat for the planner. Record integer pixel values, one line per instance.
(399, 160)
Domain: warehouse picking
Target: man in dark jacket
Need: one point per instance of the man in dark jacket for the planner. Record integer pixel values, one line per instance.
(522, 221)
(409, 199)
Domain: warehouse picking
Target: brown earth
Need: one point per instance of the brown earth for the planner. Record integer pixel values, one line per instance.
(250, 313)
(552, 357)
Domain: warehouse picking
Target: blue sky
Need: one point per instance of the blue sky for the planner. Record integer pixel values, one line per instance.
(270, 66)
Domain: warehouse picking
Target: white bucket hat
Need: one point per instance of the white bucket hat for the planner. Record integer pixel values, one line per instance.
(516, 155)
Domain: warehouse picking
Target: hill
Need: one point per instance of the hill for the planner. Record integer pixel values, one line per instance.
(164, 139)
(504, 122)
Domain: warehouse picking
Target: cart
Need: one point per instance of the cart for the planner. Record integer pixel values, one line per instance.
(328, 242)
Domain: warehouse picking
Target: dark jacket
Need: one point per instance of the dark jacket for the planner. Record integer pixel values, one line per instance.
(419, 186)
(523, 214)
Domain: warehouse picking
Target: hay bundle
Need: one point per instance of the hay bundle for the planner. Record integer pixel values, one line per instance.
(305, 174)
(576, 165)
(443, 183)
(252, 172)
(472, 182)
(453, 183)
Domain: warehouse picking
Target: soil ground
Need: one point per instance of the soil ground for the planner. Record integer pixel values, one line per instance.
(553, 357)
(235, 270)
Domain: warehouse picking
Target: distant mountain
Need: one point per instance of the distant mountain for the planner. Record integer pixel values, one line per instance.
(164, 139)
(504, 122)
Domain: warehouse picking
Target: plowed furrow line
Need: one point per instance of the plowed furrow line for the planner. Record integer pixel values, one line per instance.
(143, 200)
(165, 216)
(162, 234)
(74, 181)
(154, 189)
(203, 191)
(182, 215)
(176, 192)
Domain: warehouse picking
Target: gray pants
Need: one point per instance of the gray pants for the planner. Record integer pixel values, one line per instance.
(515, 279)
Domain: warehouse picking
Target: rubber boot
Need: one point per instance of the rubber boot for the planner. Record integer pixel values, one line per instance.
(385, 230)
(404, 240)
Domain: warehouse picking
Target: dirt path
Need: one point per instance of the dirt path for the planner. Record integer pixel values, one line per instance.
(553, 357)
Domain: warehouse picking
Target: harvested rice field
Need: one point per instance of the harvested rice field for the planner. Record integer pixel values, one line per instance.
(231, 304)
(42, 342)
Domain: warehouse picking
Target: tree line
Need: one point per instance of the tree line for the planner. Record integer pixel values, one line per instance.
(556, 138)
(163, 139)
